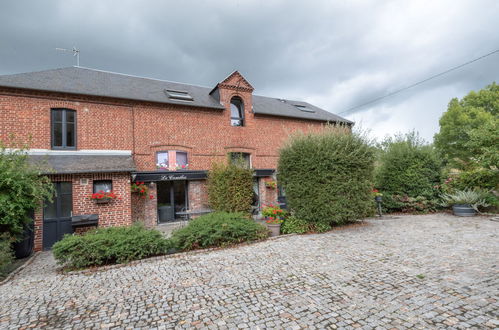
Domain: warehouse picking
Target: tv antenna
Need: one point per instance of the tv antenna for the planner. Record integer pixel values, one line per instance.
(75, 51)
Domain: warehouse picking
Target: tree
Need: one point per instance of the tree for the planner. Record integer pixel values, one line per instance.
(468, 129)
(22, 190)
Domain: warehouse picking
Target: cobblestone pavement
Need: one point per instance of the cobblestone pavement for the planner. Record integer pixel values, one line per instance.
(432, 271)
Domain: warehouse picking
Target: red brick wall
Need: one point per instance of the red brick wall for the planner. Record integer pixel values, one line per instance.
(115, 213)
(206, 134)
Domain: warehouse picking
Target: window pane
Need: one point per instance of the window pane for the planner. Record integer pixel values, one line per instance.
(236, 122)
(181, 158)
(57, 134)
(242, 158)
(50, 210)
(66, 188)
(162, 160)
(235, 111)
(70, 116)
(103, 185)
(57, 115)
(66, 205)
(70, 135)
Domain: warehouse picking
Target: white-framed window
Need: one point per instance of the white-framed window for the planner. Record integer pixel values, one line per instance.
(171, 160)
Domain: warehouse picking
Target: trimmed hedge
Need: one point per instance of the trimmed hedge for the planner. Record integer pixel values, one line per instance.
(409, 174)
(230, 188)
(328, 177)
(109, 246)
(218, 229)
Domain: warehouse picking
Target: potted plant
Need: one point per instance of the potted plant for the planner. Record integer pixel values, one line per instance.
(273, 219)
(270, 184)
(103, 197)
(464, 203)
(139, 188)
(378, 197)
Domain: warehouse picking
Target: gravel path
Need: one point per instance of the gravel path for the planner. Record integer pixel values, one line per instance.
(430, 271)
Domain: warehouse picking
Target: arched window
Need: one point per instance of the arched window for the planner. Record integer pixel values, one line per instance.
(236, 111)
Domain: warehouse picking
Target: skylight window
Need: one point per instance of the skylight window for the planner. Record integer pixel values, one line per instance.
(178, 95)
(304, 108)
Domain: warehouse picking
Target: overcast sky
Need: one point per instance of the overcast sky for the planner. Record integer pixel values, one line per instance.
(334, 54)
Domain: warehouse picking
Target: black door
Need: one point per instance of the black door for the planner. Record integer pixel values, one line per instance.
(172, 200)
(57, 215)
(281, 198)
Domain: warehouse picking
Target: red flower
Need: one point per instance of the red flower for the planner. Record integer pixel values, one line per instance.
(151, 196)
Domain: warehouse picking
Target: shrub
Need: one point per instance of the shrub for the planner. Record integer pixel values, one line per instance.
(408, 173)
(328, 177)
(293, 225)
(218, 229)
(6, 255)
(104, 246)
(22, 190)
(230, 188)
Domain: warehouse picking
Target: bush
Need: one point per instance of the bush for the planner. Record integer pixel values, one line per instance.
(6, 255)
(328, 177)
(293, 225)
(218, 229)
(230, 188)
(408, 173)
(109, 246)
(22, 190)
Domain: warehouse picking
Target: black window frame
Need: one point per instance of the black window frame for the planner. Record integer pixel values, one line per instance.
(233, 156)
(64, 123)
(239, 104)
(95, 182)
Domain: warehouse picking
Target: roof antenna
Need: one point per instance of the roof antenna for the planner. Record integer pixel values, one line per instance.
(75, 51)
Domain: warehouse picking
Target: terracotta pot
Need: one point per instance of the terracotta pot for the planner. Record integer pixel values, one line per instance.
(275, 229)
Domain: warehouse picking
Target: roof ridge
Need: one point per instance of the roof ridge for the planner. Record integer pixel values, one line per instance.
(141, 77)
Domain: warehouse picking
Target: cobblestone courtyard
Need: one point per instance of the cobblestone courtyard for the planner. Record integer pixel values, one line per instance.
(432, 271)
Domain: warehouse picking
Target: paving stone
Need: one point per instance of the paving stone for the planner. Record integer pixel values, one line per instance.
(359, 277)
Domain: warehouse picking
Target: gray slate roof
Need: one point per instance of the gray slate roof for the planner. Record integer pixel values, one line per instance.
(84, 81)
(69, 164)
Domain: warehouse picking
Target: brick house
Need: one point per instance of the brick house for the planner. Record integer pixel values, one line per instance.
(92, 130)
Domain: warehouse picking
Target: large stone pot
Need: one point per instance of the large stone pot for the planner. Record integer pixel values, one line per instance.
(24, 247)
(463, 210)
(275, 229)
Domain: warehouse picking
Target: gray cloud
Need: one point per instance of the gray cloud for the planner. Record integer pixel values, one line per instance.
(334, 54)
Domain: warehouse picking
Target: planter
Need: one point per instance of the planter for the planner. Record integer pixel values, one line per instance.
(102, 201)
(275, 229)
(24, 247)
(463, 210)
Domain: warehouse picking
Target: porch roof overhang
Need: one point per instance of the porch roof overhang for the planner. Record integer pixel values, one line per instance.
(73, 164)
(185, 175)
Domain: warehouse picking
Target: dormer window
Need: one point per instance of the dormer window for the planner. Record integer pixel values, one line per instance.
(178, 95)
(236, 111)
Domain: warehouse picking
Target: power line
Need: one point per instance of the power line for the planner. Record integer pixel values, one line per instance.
(419, 82)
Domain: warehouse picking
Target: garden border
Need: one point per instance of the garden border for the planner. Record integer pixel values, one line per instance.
(20, 268)
(165, 256)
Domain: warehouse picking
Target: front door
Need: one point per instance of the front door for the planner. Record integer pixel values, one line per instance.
(172, 200)
(57, 214)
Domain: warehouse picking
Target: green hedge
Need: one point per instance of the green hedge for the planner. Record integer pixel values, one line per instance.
(218, 229)
(408, 174)
(109, 246)
(328, 177)
(230, 188)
